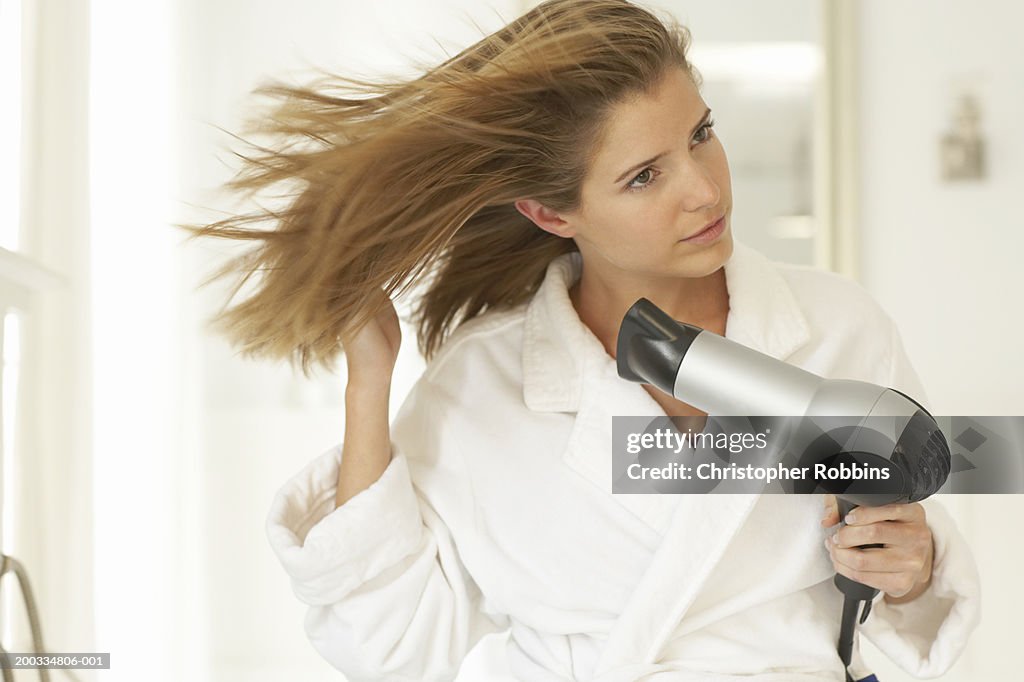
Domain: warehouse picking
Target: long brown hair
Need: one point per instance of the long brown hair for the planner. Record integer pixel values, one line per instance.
(402, 182)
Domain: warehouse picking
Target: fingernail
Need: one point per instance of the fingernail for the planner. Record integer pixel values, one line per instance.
(851, 518)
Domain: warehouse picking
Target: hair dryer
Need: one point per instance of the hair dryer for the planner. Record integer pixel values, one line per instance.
(724, 378)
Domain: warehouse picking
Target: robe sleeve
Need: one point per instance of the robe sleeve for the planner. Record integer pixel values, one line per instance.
(927, 635)
(389, 597)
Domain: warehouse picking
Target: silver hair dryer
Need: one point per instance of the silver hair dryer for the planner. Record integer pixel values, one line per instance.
(723, 378)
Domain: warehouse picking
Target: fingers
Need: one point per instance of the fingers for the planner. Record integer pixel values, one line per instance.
(910, 513)
(912, 536)
(894, 583)
(831, 517)
(883, 532)
(877, 560)
(903, 559)
(896, 525)
(890, 512)
(894, 571)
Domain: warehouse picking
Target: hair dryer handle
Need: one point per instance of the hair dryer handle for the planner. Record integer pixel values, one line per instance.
(854, 593)
(849, 587)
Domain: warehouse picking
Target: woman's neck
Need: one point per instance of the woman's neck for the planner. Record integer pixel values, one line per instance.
(702, 301)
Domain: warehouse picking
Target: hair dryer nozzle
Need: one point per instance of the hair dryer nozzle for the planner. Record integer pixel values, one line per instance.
(651, 345)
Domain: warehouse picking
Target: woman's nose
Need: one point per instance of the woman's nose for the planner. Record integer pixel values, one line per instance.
(700, 190)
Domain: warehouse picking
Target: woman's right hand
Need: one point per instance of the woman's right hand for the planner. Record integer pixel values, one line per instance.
(371, 353)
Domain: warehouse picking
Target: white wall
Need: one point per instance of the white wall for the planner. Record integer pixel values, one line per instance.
(55, 530)
(945, 259)
(955, 296)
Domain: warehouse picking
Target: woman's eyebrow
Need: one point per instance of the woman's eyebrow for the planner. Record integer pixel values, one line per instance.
(632, 168)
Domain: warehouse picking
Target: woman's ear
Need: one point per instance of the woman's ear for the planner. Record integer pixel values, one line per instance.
(544, 218)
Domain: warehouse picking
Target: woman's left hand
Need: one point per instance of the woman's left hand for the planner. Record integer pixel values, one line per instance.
(902, 568)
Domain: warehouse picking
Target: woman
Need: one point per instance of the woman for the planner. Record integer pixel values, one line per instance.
(538, 184)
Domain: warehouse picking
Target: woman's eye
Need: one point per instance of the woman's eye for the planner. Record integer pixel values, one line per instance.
(644, 177)
(648, 176)
(706, 131)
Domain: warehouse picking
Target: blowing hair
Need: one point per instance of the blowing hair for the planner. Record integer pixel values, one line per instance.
(402, 182)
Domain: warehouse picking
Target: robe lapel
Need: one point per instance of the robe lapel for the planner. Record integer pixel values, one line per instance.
(589, 451)
(701, 528)
(696, 528)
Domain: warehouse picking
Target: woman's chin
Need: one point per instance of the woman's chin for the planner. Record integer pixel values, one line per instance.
(709, 257)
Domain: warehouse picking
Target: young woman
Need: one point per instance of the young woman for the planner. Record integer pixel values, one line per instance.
(536, 185)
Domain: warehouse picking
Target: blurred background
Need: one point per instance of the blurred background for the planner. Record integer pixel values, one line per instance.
(879, 138)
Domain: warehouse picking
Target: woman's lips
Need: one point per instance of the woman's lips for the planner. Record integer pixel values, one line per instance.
(708, 235)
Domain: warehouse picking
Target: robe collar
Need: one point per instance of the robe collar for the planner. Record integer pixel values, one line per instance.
(559, 350)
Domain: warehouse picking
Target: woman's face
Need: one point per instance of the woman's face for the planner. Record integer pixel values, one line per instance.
(658, 178)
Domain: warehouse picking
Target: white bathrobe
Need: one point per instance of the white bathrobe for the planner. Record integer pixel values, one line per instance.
(496, 512)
